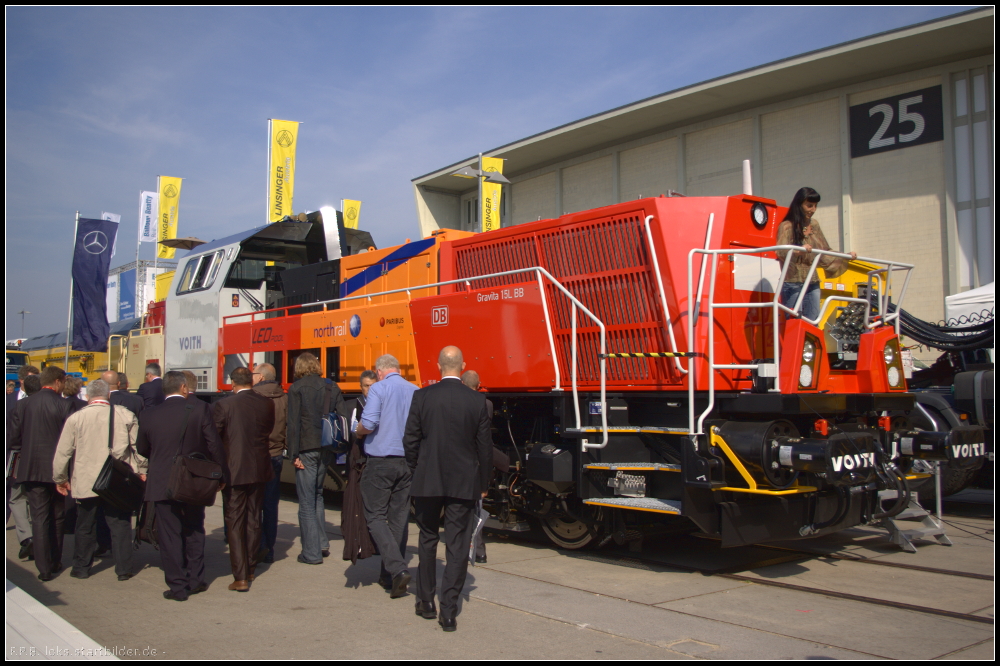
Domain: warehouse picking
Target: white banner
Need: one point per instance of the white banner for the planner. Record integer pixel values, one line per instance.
(148, 211)
(111, 217)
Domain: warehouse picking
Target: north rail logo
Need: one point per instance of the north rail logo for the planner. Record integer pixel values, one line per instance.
(170, 191)
(284, 138)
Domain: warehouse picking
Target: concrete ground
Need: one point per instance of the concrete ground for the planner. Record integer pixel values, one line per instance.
(532, 601)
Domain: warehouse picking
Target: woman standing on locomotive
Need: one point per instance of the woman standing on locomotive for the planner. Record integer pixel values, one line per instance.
(799, 228)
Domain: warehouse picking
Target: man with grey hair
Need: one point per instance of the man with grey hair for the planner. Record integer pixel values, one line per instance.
(151, 391)
(385, 483)
(84, 445)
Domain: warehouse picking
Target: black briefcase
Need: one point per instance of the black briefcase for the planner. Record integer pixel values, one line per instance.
(194, 479)
(117, 484)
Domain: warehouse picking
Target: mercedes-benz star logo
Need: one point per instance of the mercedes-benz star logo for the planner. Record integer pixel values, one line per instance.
(170, 191)
(95, 242)
(284, 138)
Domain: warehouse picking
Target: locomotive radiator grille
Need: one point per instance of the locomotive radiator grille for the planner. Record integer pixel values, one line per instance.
(605, 264)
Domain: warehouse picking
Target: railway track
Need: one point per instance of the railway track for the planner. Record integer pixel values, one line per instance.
(798, 555)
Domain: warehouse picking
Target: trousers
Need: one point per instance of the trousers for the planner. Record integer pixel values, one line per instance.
(119, 523)
(457, 517)
(272, 494)
(47, 508)
(385, 491)
(242, 506)
(312, 511)
(181, 534)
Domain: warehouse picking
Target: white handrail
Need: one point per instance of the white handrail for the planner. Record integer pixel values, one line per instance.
(663, 296)
(539, 273)
(694, 310)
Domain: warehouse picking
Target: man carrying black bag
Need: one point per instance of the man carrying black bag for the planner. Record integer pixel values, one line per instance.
(179, 428)
(86, 441)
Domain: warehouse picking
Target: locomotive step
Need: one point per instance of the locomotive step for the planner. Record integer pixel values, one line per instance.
(638, 504)
(634, 467)
(616, 430)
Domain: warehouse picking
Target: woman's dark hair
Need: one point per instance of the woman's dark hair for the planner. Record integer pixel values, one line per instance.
(796, 215)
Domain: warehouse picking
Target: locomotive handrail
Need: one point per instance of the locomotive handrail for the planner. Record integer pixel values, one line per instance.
(882, 276)
(539, 273)
(663, 296)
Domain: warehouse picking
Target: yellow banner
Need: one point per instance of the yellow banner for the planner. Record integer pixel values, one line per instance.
(281, 177)
(352, 209)
(490, 213)
(166, 227)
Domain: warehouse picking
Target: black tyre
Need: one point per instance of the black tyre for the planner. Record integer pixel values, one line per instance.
(952, 481)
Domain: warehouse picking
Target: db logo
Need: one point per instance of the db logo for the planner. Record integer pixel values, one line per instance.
(439, 316)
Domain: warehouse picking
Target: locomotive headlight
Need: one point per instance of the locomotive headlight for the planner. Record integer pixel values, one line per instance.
(808, 351)
(894, 376)
(889, 353)
(758, 214)
(805, 375)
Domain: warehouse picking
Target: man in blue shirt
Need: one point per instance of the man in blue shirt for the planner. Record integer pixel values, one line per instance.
(385, 483)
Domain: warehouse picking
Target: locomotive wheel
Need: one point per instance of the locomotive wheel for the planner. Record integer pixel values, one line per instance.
(566, 532)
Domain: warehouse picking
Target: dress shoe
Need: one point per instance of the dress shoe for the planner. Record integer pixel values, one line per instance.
(305, 561)
(261, 555)
(386, 583)
(45, 577)
(448, 623)
(426, 610)
(268, 559)
(26, 552)
(239, 586)
(480, 559)
(175, 596)
(200, 587)
(399, 585)
(124, 577)
(82, 575)
(326, 552)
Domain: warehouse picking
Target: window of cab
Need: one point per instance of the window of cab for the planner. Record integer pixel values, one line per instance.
(200, 272)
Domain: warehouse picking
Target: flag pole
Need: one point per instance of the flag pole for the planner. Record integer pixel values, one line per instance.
(156, 246)
(69, 316)
(138, 244)
(267, 189)
(479, 204)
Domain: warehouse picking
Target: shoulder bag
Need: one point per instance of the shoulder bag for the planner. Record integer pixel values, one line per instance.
(117, 484)
(194, 479)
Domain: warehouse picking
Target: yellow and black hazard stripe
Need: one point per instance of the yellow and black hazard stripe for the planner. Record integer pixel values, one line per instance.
(649, 355)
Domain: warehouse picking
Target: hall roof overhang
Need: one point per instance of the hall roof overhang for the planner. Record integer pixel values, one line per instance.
(949, 39)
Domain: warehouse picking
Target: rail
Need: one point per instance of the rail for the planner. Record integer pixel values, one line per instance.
(539, 274)
(879, 279)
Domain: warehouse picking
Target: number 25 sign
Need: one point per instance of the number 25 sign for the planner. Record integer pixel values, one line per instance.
(897, 122)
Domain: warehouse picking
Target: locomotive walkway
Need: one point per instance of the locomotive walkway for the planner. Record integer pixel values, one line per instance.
(533, 601)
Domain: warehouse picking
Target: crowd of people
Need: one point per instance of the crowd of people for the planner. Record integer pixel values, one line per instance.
(430, 448)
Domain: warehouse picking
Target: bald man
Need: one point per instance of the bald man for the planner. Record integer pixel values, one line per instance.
(448, 447)
(131, 402)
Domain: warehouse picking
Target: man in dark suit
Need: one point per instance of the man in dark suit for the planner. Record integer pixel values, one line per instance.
(245, 420)
(129, 401)
(35, 427)
(178, 426)
(17, 501)
(20, 393)
(448, 445)
(151, 391)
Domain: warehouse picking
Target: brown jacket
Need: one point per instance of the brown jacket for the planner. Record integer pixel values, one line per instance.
(801, 261)
(278, 396)
(245, 421)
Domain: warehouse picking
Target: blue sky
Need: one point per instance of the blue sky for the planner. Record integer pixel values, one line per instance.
(102, 100)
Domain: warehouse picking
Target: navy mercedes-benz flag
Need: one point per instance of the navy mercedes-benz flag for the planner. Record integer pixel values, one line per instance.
(91, 261)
